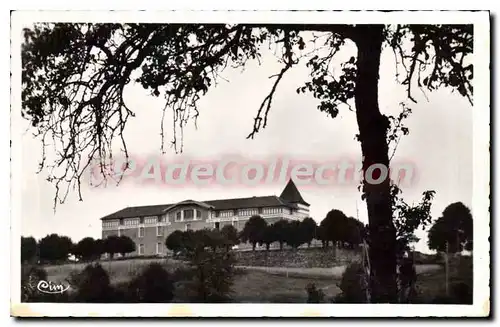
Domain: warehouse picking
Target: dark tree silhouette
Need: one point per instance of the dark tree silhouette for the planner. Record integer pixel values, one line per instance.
(452, 231)
(407, 218)
(294, 234)
(28, 249)
(55, 248)
(253, 230)
(280, 229)
(74, 76)
(92, 285)
(174, 241)
(153, 285)
(99, 249)
(85, 249)
(112, 245)
(126, 245)
(334, 226)
(308, 227)
(355, 232)
(268, 236)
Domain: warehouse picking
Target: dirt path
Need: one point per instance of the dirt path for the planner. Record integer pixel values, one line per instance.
(333, 272)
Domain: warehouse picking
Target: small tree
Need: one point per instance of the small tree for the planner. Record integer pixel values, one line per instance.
(294, 237)
(308, 230)
(268, 236)
(174, 241)
(125, 245)
(55, 248)
(112, 245)
(85, 249)
(354, 232)
(28, 249)
(452, 232)
(280, 230)
(99, 249)
(253, 230)
(334, 226)
(321, 236)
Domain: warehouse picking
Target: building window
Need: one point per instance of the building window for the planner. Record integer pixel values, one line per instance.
(248, 212)
(141, 231)
(187, 227)
(188, 214)
(234, 223)
(150, 220)
(271, 211)
(178, 216)
(217, 225)
(159, 230)
(227, 213)
(198, 214)
(158, 248)
(119, 232)
(141, 249)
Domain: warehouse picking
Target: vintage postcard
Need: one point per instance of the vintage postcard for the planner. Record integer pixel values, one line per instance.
(250, 164)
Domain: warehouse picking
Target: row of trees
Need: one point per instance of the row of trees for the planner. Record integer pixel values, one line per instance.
(336, 228)
(55, 248)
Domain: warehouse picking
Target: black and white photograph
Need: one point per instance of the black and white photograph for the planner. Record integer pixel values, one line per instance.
(250, 164)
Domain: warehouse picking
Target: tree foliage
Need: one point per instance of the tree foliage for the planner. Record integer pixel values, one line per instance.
(452, 232)
(86, 249)
(153, 285)
(174, 241)
(126, 245)
(253, 230)
(92, 285)
(308, 227)
(55, 248)
(408, 218)
(112, 245)
(28, 249)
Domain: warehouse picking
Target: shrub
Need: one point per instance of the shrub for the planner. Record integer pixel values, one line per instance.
(352, 285)
(92, 285)
(153, 285)
(30, 276)
(314, 295)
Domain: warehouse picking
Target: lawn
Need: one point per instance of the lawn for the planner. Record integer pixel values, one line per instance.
(262, 284)
(254, 286)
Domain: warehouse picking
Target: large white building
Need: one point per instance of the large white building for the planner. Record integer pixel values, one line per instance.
(148, 226)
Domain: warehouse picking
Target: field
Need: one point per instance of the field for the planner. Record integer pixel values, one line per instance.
(256, 284)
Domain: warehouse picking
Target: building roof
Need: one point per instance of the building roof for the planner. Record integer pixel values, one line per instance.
(289, 198)
(291, 194)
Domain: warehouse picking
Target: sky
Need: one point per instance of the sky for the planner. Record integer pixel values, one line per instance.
(439, 146)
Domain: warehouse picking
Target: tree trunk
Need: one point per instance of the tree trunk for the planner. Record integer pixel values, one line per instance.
(372, 134)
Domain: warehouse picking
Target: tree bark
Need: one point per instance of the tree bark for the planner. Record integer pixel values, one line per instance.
(372, 134)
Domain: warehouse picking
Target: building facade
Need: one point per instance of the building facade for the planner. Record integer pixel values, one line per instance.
(149, 226)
